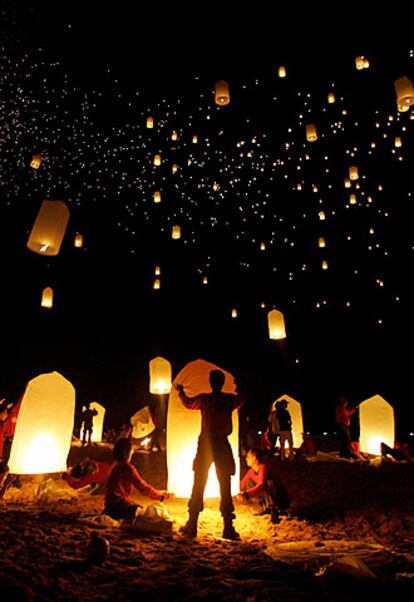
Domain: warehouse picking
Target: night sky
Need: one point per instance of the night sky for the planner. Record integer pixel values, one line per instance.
(76, 86)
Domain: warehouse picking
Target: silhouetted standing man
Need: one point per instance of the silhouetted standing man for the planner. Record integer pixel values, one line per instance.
(213, 446)
(87, 422)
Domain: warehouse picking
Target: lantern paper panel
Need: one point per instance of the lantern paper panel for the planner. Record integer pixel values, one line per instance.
(44, 426)
(160, 376)
(276, 324)
(376, 420)
(142, 424)
(222, 96)
(183, 429)
(98, 422)
(295, 410)
(49, 228)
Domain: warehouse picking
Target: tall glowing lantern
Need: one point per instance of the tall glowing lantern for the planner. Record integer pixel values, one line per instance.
(331, 98)
(405, 93)
(276, 324)
(157, 196)
(49, 228)
(295, 410)
(160, 376)
(36, 162)
(398, 142)
(376, 419)
(321, 242)
(353, 173)
(183, 429)
(78, 241)
(281, 72)
(157, 160)
(311, 133)
(44, 426)
(222, 95)
(176, 232)
(150, 123)
(47, 297)
(98, 422)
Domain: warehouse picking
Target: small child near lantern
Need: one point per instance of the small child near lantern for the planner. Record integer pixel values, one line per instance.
(122, 478)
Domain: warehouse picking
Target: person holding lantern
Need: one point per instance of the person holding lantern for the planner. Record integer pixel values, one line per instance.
(213, 446)
(123, 476)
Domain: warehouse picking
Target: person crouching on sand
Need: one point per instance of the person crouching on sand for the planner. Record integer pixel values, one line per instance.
(122, 478)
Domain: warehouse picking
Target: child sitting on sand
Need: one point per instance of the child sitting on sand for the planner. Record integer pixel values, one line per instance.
(122, 478)
(259, 483)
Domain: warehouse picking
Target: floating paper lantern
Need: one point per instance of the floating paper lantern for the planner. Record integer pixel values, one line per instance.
(321, 242)
(78, 241)
(176, 232)
(295, 410)
(195, 139)
(174, 167)
(174, 136)
(157, 284)
(49, 228)
(281, 72)
(276, 324)
(299, 187)
(150, 123)
(47, 297)
(205, 280)
(160, 376)
(361, 63)
(98, 422)
(324, 264)
(331, 98)
(321, 215)
(44, 426)
(352, 199)
(263, 246)
(157, 160)
(397, 142)
(234, 313)
(311, 133)
(347, 183)
(222, 95)
(183, 429)
(157, 196)
(405, 93)
(353, 173)
(376, 419)
(157, 270)
(36, 162)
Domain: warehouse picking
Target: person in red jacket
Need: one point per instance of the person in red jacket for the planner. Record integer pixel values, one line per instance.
(213, 446)
(259, 483)
(87, 472)
(343, 415)
(123, 476)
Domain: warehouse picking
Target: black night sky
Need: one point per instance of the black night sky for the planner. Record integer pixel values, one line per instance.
(76, 86)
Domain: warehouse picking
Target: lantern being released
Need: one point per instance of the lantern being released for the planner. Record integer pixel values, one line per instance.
(160, 376)
(44, 427)
(142, 424)
(98, 422)
(276, 325)
(376, 419)
(183, 429)
(49, 228)
(222, 96)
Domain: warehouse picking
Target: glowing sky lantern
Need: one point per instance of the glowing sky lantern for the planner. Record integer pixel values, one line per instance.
(195, 139)
(174, 136)
(321, 242)
(78, 241)
(405, 93)
(157, 284)
(183, 429)
(321, 215)
(398, 142)
(47, 297)
(44, 426)
(353, 173)
(311, 133)
(205, 280)
(160, 376)
(157, 160)
(281, 72)
(352, 199)
(324, 264)
(276, 324)
(331, 98)
(295, 410)
(98, 422)
(157, 270)
(222, 95)
(263, 246)
(150, 123)
(157, 196)
(376, 419)
(234, 313)
(49, 228)
(36, 162)
(174, 168)
(361, 63)
(176, 232)
(347, 183)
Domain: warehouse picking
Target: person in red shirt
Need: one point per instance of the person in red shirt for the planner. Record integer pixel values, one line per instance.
(258, 482)
(343, 418)
(213, 446)
(89, 472)
(123, 476)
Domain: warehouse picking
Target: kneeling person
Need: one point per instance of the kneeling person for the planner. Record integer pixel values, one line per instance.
(122, 478)
(259, 483)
